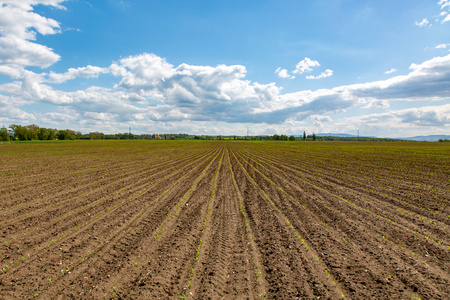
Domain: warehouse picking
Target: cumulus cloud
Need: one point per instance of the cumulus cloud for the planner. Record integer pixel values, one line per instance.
(153, 93)
(323, 119)
(378, 104)
(18, 53)
(443, 17)
(390, 71)
(86, 72)
(10, 109)
(325, 74)
(444, 4)
(421, 117)
(446, 19)
(320, 121)
(150, 89)
(9, 71)
(197, 92)
(425, 116)
(445, 7)
(18, 28)
(397, 123)
(57, 118)
(305, 65)
(283, 73)
(422, 23)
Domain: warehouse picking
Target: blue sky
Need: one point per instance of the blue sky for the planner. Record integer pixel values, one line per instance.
(216, 67)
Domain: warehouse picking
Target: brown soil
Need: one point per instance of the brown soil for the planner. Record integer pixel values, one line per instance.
(222, 220)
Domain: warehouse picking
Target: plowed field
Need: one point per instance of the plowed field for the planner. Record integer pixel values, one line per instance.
(232, 220)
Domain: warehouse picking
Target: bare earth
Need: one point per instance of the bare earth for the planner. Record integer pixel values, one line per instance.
(224, 220)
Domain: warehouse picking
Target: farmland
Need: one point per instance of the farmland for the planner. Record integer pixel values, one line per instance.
(214, 219)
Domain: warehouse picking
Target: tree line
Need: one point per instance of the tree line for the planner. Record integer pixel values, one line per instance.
(34, 132)
(283, 137)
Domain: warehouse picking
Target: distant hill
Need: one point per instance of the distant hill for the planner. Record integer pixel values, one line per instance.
(428, 138)
(342, 135)
(424, 138)
(336, 134)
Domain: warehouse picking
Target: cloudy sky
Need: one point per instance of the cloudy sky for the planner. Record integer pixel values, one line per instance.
(216, 67)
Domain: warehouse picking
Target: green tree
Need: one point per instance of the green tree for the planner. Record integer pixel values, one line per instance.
(20, 132)
(96, 135)
(43, 134)
(304, 135)
(313, 137)
(33, 132)
(67, 134)
(52, 133)
(62, 135)
(4, 134)
(292, 138)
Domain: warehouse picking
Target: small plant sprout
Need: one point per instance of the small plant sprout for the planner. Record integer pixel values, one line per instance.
(134, 263)
(35, 294)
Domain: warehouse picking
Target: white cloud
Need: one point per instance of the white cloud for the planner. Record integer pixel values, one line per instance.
(28, 4)
(395, 123)
(305, 65)
(443, 16)
(18, 27)
(322, 119)
(18, 53)
(378, 104)
(425, 116)
(203, 93)
(198, 92)
(152, 90)
(9, 71)
(444, 3)
(283, 73)
(18, 20)
(405, 122)
(326, 73)
(86, 72)
(10, 111)
(142, 72)
(422, 23)
(390, 71)
(445, 7)
(55, 119)
(154, 94)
